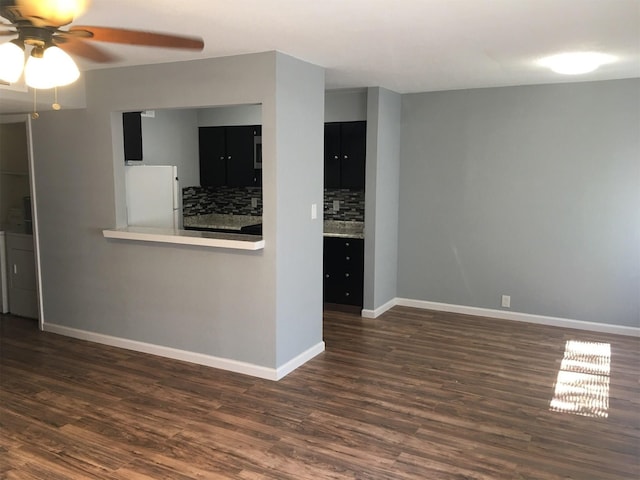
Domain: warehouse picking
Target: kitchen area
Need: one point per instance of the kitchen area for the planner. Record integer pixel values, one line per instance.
(219, 168)
(18, 285)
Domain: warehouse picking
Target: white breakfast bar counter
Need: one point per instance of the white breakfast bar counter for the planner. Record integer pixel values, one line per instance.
(233, 241)
(230, 240)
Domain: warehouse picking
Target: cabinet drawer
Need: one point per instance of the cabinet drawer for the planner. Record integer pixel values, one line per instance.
(343, 270)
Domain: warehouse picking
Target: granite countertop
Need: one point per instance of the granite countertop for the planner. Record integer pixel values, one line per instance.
(221, 221)
(332, 228)
(344, 229)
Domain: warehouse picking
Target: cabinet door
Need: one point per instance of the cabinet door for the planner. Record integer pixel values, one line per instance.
(332, 155)
(332, 270)
(132, 132)
(23, 297)
(240, 171)
(353, 140)
(213, 157)
(257, 156)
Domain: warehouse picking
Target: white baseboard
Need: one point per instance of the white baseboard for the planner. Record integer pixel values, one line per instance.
(301, 359)
(192, 357)
(519, 317)
(380, 310)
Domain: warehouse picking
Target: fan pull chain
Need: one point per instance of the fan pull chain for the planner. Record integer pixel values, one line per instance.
(35, 113)
(55, 105)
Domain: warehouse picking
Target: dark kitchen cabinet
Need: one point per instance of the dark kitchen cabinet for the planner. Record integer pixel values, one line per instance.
(345, 147)
(213, 156)
(227, 156)
(343, 270)
(132, 133)
(332, 155)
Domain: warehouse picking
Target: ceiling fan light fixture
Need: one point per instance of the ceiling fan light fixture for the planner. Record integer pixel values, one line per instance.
(11, 61)
(65, 70)
(51, 68)
(60, 12)
(576, 63)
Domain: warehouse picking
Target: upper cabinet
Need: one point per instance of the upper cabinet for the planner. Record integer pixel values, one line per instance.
(345, 147)
(132, 132)
(213, 156)
(227, 156)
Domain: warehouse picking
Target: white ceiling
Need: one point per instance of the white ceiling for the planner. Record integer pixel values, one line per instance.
(402, 45)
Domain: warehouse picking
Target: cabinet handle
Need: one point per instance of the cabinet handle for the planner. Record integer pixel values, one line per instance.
(15, 269)
(222, 158)
(346, 275)
(346, 156)
(347, 294)
(335, 157)
(229, 157)
(346, 244)
(347, 258)
(327, 275)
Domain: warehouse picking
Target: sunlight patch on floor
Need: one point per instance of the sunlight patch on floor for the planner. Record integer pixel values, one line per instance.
(582, 386)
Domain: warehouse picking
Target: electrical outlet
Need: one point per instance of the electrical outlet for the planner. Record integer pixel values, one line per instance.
(314, 211)
(506, 301)
(254, 203)
(336, 205)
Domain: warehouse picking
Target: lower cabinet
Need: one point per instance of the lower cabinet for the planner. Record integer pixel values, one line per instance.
(343, 270)
(23, 296)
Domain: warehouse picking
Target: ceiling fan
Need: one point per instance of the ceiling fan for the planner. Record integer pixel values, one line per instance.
(39, 24)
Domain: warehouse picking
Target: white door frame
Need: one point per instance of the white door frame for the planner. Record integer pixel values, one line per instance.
(26, 118)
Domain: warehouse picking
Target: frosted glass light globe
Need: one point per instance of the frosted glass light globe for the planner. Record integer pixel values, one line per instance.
(55, 69)
(11, 62)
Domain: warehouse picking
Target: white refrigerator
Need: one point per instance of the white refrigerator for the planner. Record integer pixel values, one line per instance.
(152, 196)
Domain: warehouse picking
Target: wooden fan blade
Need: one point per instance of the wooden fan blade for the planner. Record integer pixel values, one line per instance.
(138, 37)
(6, 33)
(79, 47)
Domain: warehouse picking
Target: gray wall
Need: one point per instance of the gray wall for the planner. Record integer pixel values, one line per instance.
(527, 191)
(19, 99)
(231, 115)
(345, 105)
(381, 201)
(299, 171)
(171, 138)
(213, 301)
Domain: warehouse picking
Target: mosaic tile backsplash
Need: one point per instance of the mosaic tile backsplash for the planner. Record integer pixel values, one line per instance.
(237, 201)
(230, 200)
(351, 208)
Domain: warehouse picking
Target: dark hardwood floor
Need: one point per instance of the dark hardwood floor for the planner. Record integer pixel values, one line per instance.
(411, 395)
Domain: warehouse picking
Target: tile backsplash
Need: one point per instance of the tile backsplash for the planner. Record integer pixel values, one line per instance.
(350, 204)
(238, 201)
(230, 200)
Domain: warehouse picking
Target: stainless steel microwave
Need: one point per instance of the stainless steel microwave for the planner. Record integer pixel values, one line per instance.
(257, 151)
